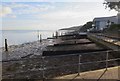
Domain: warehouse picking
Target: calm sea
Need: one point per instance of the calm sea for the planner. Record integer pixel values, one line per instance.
(16, 37)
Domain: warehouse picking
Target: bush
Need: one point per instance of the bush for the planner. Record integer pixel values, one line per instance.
(112, 28)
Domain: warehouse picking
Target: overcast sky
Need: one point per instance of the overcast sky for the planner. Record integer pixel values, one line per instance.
(46, 15)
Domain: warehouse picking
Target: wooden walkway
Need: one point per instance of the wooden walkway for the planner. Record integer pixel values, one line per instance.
(108, 42)
(111, 74)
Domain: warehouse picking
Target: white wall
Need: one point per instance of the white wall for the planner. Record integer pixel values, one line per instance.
(102, 25)
(118, 15)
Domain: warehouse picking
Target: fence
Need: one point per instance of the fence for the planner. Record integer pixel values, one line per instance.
(47, 67)
(76, 63)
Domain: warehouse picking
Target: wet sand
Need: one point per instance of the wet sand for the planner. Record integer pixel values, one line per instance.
(24, 50)
(23, 61)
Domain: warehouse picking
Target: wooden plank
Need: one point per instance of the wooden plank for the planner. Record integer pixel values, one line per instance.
(67, 37)
(73, 44)
(54, 53)
(104, 43)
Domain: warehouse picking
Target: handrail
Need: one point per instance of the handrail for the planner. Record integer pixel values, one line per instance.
(79, 60)
(77, 63)
(81, 63)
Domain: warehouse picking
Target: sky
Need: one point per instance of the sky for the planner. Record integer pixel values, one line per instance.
(49, 15)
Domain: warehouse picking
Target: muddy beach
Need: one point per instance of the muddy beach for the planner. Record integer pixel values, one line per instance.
(25, 61)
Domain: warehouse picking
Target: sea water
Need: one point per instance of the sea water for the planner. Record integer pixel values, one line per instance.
(15, 37)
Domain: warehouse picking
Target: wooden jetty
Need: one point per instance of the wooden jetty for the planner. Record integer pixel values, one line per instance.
(106, 41)
(73, 36)
(74, 43)
(54, 53)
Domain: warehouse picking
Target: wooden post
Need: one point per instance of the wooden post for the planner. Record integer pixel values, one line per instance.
(43, 69)
(38, 34)
(6, 46)
(53, 35)
(107, 60)
(40, 38)
(79, 64)
(56, 34)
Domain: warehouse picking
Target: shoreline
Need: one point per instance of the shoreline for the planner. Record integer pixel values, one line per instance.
(21, 43)
(16, 52)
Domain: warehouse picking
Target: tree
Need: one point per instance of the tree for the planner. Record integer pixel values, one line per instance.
(86, 26)
(114, 5)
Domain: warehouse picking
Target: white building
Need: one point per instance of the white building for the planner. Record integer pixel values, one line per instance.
(118, 15)
(104, 22)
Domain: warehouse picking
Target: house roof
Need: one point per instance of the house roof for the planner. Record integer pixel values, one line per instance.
(112, 19)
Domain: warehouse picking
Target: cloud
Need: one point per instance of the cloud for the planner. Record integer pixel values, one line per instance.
(12, 16)
(71, 11)
(52, 0)
(18, 5)
(76, 11)
(67, 14)
(112, 0)
(5, 11)
(53, 16)
(26, 8)
(61, 15)
(12, 10)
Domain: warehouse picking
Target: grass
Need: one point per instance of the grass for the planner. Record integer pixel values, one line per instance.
(113, 30)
